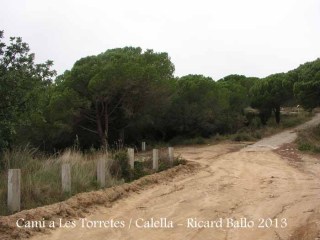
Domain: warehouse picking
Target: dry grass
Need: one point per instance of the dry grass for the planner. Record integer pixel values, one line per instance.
(41, 179)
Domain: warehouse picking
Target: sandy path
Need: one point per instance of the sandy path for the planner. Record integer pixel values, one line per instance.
(250, 183)
(275, 141)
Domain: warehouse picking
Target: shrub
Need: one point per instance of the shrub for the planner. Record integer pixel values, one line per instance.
(309, 140)
(139, 170)
(120, 167)
(187, 141)
(242, 136)
(305, 147)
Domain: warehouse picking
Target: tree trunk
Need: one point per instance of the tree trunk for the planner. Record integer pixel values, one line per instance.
(277, 114)
(263, 119)
(100, 126)
(264, 115)
(106, 125)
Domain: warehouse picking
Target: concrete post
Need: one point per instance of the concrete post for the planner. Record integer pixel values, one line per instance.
(143, 146)
(14, 192)
(171, 154)
(155, 162)
(131, 157)
(101, 172)
(66, 177)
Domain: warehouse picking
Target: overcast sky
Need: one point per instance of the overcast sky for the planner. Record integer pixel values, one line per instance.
(210, 37)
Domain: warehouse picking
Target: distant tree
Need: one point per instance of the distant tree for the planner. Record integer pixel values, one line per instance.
(269, 94)
(306, 79)
(196, 105)
(239, 87)
(308, 93)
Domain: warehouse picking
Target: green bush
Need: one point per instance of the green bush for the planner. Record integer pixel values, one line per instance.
(187, 141)
(309, 140)
(242, 136)
(139, 170)
(120, 167)
(305, 147)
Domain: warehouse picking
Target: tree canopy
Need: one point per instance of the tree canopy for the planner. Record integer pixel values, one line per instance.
(124, 95)
(115, 88)
(269, 94)
(22, 83)
(307, 84)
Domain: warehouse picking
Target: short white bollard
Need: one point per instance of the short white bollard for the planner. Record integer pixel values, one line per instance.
(171, 154)
(155, 158)
(14, 193)
(66, 177)
(131, 157)
(143, 146)
(101, 172)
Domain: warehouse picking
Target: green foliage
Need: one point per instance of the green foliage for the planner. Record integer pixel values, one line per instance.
(109, 92)
(139, 170)
(193, 91)
(269, 94)
(120, 166)
(238, 87)
(196, 106)
(256, 130)
(124, 95)
(165, 164)
(308, 93)
(242, 136)
(306, 80)
(22, 83)
(305, 147)
(309, 140)
(179, 140)
(295, 120)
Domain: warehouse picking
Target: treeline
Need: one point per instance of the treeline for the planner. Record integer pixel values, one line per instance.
(126, 95)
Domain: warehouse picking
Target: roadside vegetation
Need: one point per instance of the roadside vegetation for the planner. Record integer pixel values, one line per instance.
(41, 174)
(309, 140)
(258, 130)
(253, 132)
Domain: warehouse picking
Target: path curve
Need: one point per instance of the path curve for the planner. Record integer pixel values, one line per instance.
(287, 136)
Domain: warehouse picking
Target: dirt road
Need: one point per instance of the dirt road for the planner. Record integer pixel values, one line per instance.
(281, 196)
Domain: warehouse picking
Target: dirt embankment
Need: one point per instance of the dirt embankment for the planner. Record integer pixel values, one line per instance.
(84, 203)
(275, 187)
